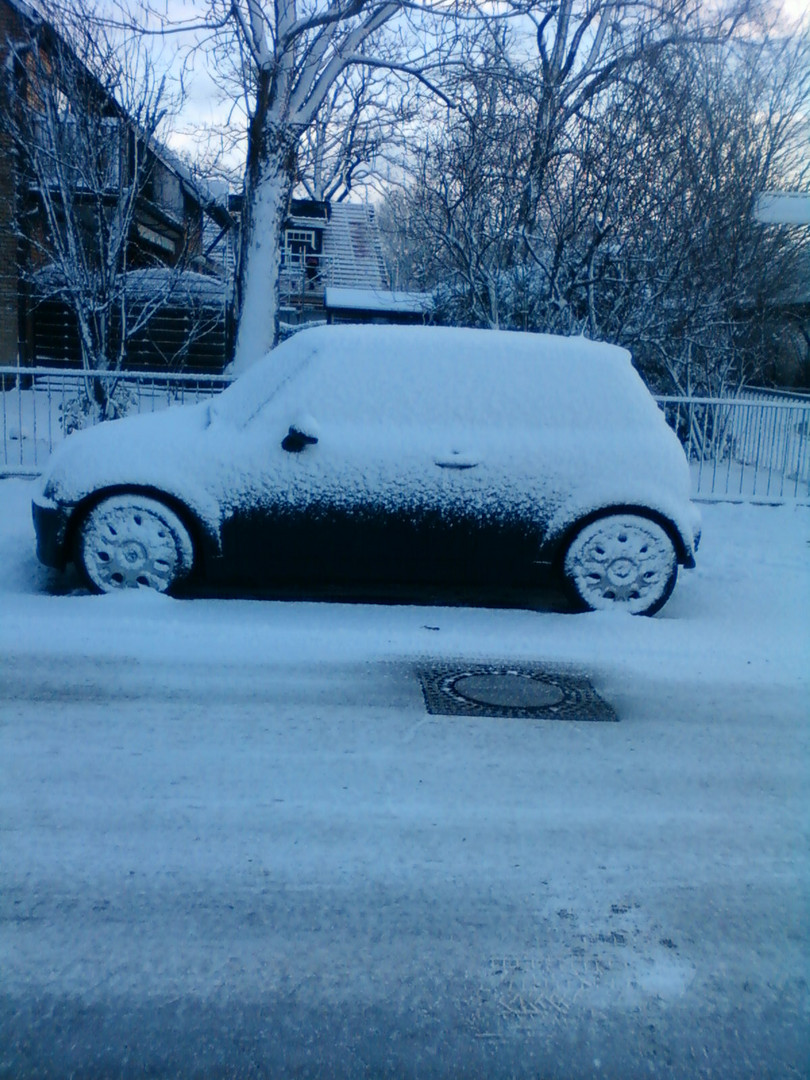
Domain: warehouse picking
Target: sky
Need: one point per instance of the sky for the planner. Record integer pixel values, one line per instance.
(206, 109)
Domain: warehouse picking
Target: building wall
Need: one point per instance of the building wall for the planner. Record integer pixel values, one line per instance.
(167, 230)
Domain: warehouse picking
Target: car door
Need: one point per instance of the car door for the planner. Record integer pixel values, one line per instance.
(381, 486)
(394, 468)
(334, 480)
(491, 466)
(289, 519)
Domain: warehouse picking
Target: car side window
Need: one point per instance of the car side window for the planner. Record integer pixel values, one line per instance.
(471, 392)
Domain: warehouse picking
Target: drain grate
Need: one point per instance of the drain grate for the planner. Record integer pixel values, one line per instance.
(506, 690)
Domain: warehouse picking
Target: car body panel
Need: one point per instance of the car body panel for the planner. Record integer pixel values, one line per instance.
(51, 521)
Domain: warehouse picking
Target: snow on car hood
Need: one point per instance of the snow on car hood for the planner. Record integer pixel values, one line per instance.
(168, 450)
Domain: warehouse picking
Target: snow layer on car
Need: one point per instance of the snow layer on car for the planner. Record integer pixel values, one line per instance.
(166, 451)
(551, 428)
(441, 372)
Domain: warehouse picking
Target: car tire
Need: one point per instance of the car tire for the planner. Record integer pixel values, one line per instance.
(131, 542)
(621, 562)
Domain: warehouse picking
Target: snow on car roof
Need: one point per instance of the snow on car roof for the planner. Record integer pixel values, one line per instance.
(582, 381)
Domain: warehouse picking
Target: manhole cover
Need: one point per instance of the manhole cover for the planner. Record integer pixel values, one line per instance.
(509, 689)
(526, 692)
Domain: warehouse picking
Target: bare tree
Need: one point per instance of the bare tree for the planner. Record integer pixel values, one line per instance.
(464, 209)
(291, 54)
(298, 52)
(463, 214)
(359, 127)
(587, 47)
(285, 58)
(642, 231)
(722, 124)
(83, 118)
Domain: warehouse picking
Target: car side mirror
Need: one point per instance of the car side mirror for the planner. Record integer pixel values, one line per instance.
(295, 440)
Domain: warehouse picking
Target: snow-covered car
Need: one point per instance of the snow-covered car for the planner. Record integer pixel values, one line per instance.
(380, 454)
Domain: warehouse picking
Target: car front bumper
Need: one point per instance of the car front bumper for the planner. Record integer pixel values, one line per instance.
(51, 525)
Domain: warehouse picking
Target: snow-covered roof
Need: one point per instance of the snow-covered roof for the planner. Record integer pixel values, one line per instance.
(150, 283)
(783, 208)
(352, 248)
(383, 300)
(185, 285)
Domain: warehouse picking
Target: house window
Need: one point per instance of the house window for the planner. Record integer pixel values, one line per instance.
(298, 243)
(166, 189)
(85, 153)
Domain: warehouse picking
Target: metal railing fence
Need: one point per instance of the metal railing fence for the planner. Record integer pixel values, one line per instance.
(749, 447)
(755, 446)
(40, 406)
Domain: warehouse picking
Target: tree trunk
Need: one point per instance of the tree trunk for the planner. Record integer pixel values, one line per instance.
(270, 180)
(547, 124)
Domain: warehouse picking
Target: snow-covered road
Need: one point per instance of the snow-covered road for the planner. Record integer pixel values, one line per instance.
(235, 843)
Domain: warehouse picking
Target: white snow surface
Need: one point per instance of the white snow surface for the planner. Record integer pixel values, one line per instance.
(556, 428)
(153, 283)
(174, 765)
(740, 616)
(783, 208)
(376, 300)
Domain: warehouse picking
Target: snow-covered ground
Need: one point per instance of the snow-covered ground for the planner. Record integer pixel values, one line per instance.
(742, 614)
(235, 843)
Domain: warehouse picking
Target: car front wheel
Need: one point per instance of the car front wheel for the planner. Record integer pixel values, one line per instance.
(132, 541)
(621, 562)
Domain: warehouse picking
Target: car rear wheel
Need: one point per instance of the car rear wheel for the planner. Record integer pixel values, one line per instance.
(131, 542)
(622, 562)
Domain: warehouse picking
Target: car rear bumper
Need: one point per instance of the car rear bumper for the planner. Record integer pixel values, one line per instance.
(50, 525)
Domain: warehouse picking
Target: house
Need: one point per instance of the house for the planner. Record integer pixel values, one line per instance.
(332, 262)
(332, 269)
(376, 306)
(177, 223)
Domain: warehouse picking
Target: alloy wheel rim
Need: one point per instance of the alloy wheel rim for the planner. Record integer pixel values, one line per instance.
(130, 548)
(624, 563)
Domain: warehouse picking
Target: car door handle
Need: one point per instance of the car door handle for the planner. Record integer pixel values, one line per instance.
(459, 463)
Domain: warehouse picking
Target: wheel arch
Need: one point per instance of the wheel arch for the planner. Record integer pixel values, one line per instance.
(204, 542)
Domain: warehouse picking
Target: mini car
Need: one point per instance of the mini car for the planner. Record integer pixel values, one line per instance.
(381, 454)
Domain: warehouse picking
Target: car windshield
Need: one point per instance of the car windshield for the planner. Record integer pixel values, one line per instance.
(246, 397)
